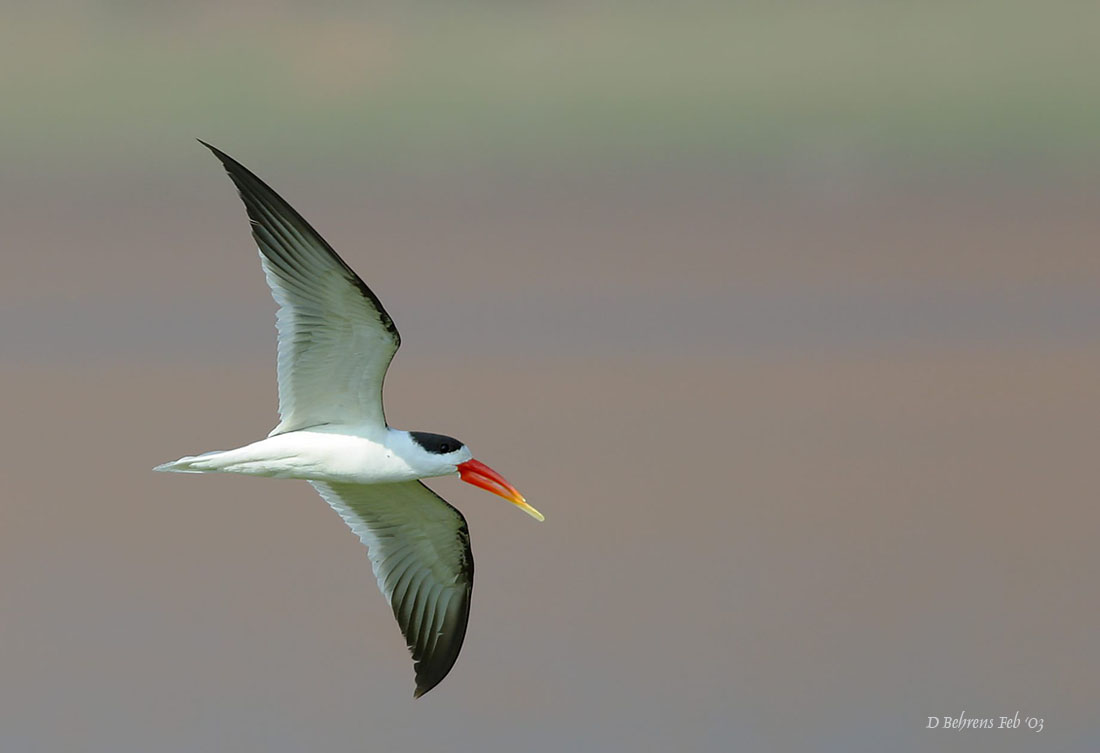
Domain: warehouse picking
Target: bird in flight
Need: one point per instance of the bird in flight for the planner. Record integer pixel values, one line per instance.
(335, 342)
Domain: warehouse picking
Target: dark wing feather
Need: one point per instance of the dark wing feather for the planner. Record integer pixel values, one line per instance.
(420, 549)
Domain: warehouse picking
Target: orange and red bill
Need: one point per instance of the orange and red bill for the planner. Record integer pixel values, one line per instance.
(477, 473)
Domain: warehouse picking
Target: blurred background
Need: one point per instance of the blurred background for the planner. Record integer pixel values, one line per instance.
(786, 315)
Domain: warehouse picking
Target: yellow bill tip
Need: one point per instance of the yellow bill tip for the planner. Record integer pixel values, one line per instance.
(522, 504)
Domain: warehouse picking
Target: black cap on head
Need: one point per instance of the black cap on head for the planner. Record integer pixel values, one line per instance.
(437, 444)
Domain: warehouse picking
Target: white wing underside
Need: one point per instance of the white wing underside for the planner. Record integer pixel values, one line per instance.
(332, 357)
(335, 338)
(420, 550)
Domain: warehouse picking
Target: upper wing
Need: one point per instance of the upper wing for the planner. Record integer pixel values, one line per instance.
(420, 549)
(335, 339)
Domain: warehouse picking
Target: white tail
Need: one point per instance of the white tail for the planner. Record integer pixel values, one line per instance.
(204, 463)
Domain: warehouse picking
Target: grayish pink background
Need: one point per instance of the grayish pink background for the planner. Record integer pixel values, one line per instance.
(786, 317)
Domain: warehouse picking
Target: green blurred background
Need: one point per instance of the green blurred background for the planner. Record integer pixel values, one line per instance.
(404, 85)
(785, 314)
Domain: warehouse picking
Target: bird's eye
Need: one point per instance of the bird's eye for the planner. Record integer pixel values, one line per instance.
(444, 448)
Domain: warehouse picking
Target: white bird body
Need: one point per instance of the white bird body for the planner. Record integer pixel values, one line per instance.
(342, 454)
(335, 345)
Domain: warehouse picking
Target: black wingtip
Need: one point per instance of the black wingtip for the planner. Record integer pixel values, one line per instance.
(227, 162)
(217, 152)
(423, 687)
